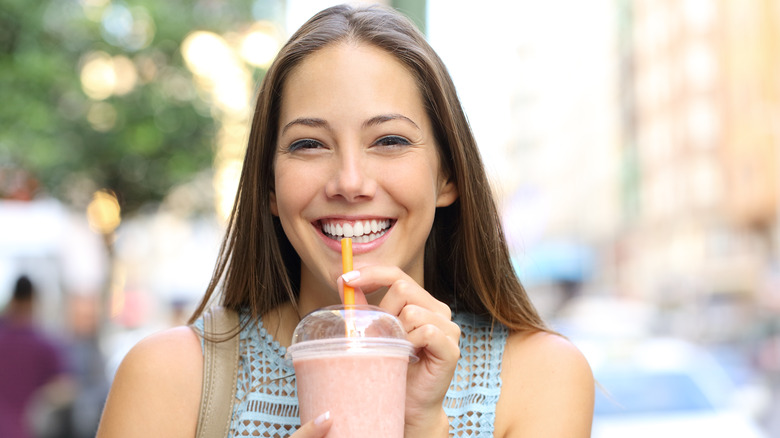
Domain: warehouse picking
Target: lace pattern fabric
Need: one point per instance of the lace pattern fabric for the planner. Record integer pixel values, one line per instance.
(266, 400)
(471, 399)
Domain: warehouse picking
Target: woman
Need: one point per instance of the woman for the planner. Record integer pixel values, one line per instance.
(358, 131)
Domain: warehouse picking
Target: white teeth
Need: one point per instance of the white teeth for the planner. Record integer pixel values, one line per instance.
(359, 231)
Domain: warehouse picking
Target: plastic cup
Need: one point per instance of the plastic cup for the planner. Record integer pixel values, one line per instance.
(352, 361)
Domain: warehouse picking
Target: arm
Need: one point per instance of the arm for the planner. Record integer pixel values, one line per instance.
(547, 389)
(156, 391)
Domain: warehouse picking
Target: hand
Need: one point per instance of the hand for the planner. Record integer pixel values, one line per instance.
(429, 327)
(316, 428)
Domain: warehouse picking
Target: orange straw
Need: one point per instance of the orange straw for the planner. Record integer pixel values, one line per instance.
(346, 265)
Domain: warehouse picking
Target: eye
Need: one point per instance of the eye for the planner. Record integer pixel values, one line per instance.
(392, 140)
(304, 144)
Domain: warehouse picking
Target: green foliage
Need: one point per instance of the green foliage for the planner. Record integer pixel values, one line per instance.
(138, 144)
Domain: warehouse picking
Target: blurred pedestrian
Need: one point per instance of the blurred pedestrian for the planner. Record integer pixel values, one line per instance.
(30, 361)
(87, 366)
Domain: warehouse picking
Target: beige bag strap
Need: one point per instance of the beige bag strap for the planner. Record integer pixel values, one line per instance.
(220, 371)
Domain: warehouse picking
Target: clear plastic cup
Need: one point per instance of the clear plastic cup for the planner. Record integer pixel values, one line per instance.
(352, 362)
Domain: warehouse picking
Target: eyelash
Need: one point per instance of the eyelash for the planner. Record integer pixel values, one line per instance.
(304, 144)
(392, 140)
(387, 141)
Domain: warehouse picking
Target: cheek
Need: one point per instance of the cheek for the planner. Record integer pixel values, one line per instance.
(290, 191)
(414, 185)
(297, 187)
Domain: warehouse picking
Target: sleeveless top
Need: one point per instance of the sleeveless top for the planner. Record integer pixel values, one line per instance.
(267, 405)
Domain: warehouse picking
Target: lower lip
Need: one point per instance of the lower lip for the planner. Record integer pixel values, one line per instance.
(357, 248)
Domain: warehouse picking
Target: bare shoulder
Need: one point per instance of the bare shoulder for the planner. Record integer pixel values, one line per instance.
(547, 388)
(156, 390)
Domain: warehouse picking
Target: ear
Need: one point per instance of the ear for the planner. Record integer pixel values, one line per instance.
(274, 207)
(448, 193)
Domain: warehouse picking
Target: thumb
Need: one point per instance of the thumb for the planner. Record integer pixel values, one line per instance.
(316, 428)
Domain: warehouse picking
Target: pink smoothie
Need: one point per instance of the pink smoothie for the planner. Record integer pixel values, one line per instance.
(364, 393)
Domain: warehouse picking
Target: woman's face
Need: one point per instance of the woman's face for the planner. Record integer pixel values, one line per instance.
(355, 157)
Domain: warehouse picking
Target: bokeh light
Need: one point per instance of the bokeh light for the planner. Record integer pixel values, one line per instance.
(103, 212)
(103, 75)
(218, 71)
(225, 186)
(93, 9)
(129, 28)
(125, 74)
(260, 45)
(102, 116)
(97, 76)
(206, 53)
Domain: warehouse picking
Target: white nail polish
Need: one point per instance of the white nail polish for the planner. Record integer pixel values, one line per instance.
(322, 418)
(349, 276)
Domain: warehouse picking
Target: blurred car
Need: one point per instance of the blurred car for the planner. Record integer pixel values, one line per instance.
(664, 388)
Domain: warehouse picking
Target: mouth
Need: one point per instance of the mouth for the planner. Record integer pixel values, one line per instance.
(361, 231)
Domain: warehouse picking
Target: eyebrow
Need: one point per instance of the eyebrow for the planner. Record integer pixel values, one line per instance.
(373, 121)
(307, 121)
(382, 118)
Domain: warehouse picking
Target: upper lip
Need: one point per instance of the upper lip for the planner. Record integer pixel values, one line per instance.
(350, 219)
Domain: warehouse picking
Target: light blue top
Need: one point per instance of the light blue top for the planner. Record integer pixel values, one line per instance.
(267, 404)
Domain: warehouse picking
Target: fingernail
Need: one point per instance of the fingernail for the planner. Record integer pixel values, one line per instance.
(349, 276)
(322, 418)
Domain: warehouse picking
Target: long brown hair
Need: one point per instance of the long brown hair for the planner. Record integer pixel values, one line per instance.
(467, 263)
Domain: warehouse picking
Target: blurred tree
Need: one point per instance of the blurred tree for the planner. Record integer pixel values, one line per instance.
(95, 94)
(416, 10)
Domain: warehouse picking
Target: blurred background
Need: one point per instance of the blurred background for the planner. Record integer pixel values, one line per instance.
(633, 146)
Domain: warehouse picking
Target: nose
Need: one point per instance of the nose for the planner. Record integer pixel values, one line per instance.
(350, 179)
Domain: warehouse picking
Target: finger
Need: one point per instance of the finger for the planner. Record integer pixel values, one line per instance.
(360, 297)
(413, 317)
(402, 289)
(316, 428)
(406, 292)
(437, 345)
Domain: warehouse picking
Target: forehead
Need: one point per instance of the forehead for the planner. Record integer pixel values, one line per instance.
(357, 76)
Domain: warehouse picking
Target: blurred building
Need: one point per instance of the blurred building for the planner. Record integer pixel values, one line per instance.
(700, 82)
(537, 81)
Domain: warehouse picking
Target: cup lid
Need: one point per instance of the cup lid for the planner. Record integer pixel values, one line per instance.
(361, 325)
(358, 321)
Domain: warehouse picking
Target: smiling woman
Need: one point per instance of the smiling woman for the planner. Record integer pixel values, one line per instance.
(358, 132)
(368, 155)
